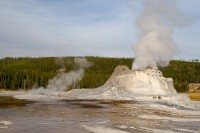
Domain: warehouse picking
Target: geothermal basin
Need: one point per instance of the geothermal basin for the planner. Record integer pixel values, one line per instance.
(130, 101)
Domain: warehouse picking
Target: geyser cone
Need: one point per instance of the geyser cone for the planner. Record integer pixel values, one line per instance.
(141, 84)
(148, 81)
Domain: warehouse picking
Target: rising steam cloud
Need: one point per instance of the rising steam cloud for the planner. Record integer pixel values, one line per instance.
(63, 81)
(155, 46)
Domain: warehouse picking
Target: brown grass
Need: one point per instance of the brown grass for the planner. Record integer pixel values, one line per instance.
(194, 96)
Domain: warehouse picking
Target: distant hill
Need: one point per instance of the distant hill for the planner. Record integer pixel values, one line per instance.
(26, 73)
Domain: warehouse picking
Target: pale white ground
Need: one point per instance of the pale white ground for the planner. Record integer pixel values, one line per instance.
(101, 129)
(5, 124)
(190, 119)
(12, 93)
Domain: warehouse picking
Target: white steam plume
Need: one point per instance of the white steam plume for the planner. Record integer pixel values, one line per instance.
(62, 81)
(156, 46)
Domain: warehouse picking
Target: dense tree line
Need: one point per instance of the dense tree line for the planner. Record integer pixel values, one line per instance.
(26, 73)
(182, 73)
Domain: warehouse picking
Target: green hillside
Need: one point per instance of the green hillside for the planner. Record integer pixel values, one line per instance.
(26, 73)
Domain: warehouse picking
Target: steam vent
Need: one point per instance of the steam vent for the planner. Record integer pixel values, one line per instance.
(140, 85)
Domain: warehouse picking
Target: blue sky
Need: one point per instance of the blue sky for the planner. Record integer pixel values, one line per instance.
(34, 28)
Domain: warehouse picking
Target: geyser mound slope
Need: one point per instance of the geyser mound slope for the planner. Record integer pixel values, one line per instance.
(148, 81)
(141, 85)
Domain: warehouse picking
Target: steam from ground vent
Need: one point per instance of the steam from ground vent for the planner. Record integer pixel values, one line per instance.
(155, 46)
(63, 81)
